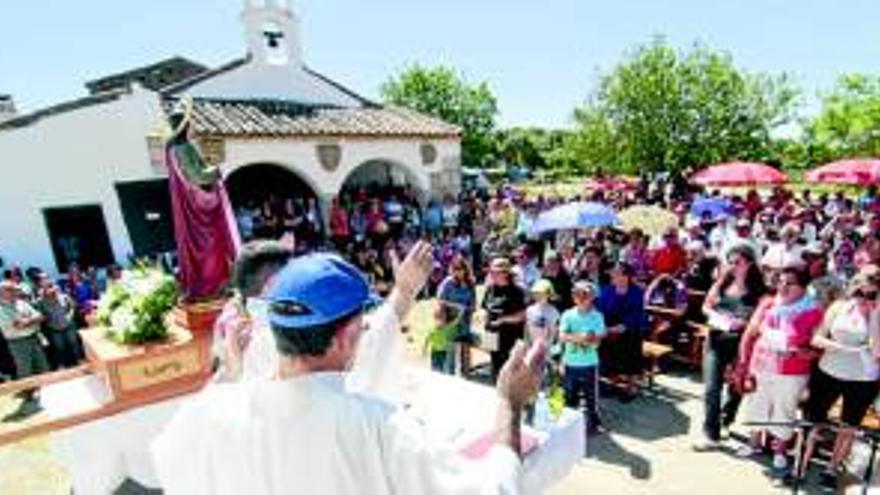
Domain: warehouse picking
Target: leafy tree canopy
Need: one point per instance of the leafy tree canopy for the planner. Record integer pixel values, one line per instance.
(444, 93)
(665, 110)
(848, 124)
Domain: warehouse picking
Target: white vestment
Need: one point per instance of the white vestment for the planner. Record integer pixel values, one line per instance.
(320, 433)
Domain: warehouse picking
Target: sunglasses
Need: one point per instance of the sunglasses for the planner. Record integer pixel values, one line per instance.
(867, 295)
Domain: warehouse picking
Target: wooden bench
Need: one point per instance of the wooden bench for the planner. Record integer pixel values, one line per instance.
(691, 354)
(653, 353)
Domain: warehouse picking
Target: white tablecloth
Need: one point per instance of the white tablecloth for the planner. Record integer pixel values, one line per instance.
(102, 454)
(459, 412)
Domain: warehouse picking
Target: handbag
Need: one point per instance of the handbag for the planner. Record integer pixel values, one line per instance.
(737, 376)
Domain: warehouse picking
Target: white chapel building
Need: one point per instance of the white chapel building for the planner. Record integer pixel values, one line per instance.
(84, 180)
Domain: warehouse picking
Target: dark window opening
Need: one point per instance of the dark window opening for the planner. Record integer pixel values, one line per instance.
(78, 235)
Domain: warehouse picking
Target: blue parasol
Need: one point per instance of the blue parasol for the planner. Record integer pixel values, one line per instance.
(715, 207)
(578, 215)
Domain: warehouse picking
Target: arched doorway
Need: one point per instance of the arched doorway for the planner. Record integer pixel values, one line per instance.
(383, 200)
(379, 178)
(270, 200)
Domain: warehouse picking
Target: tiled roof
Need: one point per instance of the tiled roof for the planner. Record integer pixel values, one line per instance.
(273, 119)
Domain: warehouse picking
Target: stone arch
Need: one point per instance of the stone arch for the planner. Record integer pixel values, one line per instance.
(385, 172)
(253, 180)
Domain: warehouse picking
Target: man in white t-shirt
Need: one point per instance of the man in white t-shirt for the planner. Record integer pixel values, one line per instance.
(785, 253)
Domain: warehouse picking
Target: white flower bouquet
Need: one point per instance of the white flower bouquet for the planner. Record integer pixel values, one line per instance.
(134, 309)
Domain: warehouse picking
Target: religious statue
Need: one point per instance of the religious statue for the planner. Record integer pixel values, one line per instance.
(207, 242)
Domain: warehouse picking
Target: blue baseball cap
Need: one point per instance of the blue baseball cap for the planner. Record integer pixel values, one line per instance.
(317, 289)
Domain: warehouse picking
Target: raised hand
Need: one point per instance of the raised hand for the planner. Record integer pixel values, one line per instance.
(411, 274)
(521, 375)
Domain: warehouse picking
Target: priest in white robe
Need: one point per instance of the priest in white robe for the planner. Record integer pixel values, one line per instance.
(322, 425)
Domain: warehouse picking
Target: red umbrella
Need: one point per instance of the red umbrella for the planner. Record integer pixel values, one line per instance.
(860, 172)
(739, 174)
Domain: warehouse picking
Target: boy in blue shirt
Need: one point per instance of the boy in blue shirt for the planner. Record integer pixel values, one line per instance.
(581, 329)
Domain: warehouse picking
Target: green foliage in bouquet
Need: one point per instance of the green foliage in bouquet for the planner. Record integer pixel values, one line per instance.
(116, 296)
(556, 400)
(134, 309)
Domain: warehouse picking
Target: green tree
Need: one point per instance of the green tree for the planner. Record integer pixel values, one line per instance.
(537, 148)
(791, 153)
(443, 93)
(521, 146)
(595, 145)
(848, 124)
(665, 110)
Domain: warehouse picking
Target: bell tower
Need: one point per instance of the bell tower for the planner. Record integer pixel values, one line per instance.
(272, 32)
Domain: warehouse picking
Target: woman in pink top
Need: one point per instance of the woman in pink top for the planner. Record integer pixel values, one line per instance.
(776, 350)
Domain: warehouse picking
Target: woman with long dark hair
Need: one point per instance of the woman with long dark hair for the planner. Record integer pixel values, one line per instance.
(728, 307)
(458, 291)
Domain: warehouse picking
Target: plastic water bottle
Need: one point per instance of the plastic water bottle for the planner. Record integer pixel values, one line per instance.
(542, 412)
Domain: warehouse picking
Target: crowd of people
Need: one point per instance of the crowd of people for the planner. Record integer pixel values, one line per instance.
(785, 284)
(40, 317)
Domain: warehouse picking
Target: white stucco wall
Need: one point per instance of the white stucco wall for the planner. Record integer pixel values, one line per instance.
(76, 158)
(301, 157)
(72, 159)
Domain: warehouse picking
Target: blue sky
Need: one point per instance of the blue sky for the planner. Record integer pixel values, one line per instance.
(540, 57)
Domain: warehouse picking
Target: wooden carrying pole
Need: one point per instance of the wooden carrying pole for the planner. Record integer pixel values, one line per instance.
(113, 407)
(39, 381)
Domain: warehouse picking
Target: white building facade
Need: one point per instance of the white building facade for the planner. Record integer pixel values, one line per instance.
(84, 180)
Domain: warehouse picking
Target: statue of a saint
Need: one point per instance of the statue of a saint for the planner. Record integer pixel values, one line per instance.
(207, 240)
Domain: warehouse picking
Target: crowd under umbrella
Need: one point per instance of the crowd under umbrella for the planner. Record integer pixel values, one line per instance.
(711, 208)
(855, 171)
(650, 219)
(574, 216)
(734, 174)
